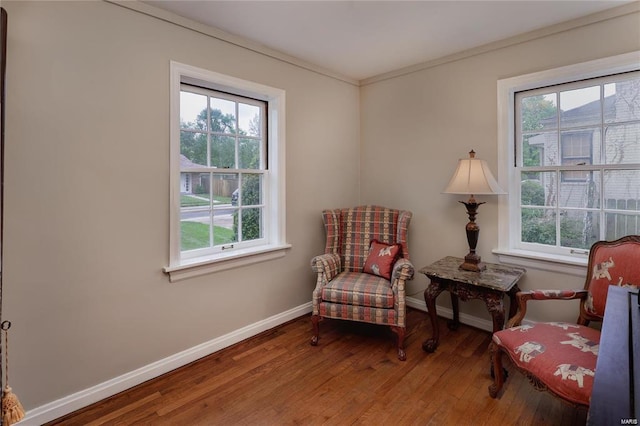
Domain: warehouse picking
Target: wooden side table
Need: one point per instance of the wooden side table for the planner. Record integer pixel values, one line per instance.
(489, 285)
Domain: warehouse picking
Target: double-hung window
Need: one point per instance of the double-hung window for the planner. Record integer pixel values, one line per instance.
(570, 156)
(227, 172)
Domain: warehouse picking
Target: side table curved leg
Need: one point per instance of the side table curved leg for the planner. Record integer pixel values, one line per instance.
(454, 323)
(495, 306)
(430, 294)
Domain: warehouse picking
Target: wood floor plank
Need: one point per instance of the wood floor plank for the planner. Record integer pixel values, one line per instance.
(352, 377)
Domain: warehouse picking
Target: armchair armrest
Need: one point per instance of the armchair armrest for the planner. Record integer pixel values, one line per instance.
(403, 269)
(524, 296)
(328, 264)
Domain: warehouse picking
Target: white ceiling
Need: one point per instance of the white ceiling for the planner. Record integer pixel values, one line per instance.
(361, 39)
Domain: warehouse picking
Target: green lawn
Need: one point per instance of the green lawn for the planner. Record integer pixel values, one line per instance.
(195, 235)
(201, 200)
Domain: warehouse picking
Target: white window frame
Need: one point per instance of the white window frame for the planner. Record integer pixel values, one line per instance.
(508, 207)
(181, 267)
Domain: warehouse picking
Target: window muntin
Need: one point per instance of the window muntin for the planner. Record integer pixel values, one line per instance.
(223, 149)
(578, 163)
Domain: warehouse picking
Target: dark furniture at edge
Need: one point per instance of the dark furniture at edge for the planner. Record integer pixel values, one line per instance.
(615, 398)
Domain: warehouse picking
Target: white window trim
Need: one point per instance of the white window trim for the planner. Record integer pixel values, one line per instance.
(178, 268)
(508, 221)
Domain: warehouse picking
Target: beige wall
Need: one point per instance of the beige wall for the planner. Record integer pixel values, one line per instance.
(87, 181)
(87, 194)
(415, 127)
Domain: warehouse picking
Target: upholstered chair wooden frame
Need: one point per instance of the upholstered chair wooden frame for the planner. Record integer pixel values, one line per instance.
(561, 357)
(343, 290)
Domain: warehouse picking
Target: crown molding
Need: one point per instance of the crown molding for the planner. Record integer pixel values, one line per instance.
(174, 19)
(220, 35)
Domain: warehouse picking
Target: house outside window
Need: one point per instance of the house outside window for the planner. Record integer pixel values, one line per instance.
(572, 167)
(576, 150)
(227, 172)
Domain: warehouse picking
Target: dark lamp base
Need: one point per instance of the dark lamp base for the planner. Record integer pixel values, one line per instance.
(472, 263)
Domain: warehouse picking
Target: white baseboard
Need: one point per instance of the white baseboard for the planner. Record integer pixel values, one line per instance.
(471, 320)
(78, 400)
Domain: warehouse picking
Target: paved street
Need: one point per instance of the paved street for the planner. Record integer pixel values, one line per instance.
(223, 217)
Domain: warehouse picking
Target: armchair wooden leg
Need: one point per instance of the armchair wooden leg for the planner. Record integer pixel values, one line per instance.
(400, 331)
(315, 320)
(498, 371)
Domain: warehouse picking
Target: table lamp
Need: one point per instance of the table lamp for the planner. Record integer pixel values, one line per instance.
(472, 177)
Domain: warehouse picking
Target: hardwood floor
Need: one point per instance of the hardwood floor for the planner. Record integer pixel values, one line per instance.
(351, 377)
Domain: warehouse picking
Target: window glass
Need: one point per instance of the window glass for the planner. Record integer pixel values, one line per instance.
(221, 204)
(191, 107)
(622, 143)
(580, 107)
(573, 191)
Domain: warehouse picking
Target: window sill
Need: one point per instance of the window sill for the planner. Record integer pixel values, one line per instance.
(546, 262)
(202, 266)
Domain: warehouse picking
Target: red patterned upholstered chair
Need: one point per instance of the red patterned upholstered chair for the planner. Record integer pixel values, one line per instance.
(362, 274)
(561, 357)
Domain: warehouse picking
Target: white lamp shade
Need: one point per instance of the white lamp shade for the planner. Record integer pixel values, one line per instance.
(473, 177)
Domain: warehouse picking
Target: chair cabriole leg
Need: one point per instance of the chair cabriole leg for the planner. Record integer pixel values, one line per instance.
(400, 331)
(315, 321)
(498, 371)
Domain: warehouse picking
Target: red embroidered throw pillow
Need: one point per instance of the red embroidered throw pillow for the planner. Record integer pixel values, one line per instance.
(382, 257)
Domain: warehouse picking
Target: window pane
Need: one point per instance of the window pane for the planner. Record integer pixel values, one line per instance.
(580, 107)
(620, 224)
(579, 229)
(622, 144)
(223, 227)
(540, 149)
(577, 145)
(223, 115)
(622, 101)
(195, 212)
(223, 151)
(195, 230)
(194, 189)
(193, 150)
(580, 189)
(193, 111)
(251, 189)
(538, 226)
(538, 189)
(539, 113)
(580, 148)
(251, 224)
(224, 186)
(622, 189)
(249, 153)
(249, 120)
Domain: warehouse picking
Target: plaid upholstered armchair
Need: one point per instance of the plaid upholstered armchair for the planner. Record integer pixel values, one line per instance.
(362, 274)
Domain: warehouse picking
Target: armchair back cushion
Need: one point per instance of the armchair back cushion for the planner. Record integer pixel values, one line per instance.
(350, 232)
(610, 264)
